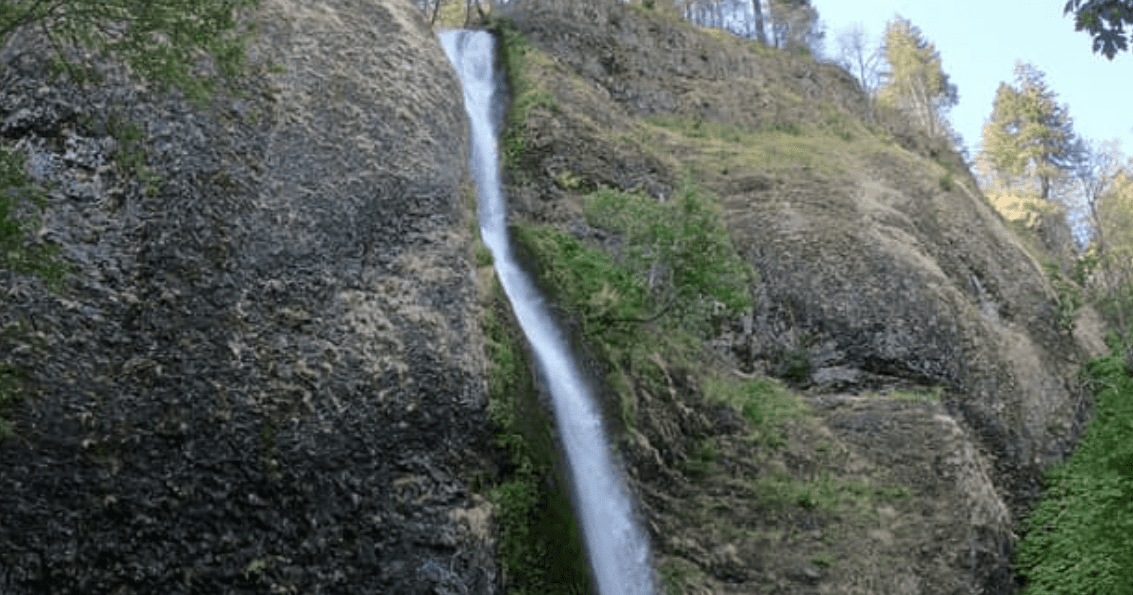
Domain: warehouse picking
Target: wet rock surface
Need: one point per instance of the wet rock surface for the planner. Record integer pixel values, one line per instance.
(264, 371)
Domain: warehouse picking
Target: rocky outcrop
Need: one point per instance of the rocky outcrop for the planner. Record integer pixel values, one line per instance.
(875, 276)
(264, 372)
(890, 272)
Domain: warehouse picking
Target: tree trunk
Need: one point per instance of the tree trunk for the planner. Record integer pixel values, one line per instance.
(759, 34)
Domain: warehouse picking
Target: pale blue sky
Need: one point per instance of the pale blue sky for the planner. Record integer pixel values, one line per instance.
(979, 41)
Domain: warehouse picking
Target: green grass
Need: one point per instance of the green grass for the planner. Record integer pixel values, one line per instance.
(823, 493)
(781, 146)
(762, 402)
(918, 396)
(1079, 538)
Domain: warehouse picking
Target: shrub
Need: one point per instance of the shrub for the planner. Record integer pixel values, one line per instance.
(1079, 538)
(681, 249)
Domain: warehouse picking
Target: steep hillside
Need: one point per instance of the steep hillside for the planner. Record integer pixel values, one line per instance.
(265, 372)
(925, 376)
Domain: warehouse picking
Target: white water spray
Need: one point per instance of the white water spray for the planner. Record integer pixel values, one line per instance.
(617, 548)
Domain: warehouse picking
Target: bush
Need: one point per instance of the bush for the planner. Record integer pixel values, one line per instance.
(680, 249)
(1079, 538)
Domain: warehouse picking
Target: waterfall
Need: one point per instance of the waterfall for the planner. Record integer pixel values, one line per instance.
(616, 546)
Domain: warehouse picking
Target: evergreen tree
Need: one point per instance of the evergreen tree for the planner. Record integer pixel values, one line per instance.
(162, 41)
(1029, 134)
(915, 83)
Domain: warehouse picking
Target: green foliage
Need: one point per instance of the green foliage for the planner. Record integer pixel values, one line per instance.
(702, 460)
(1079, 538)
(681, 249)
(1104, 20)
(1068, 298)
(1029, 133)
(915, 82)
(606, 298)
(482, 255)
(918, 396)
(163, 41)
(645, 308)
(946, 182)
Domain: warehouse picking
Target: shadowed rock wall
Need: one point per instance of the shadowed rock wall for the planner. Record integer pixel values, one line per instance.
(265, 374)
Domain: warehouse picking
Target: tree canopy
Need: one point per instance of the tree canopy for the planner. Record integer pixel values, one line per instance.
(1029, 134)
(1104, 20)
(168, 42)
(915, 83)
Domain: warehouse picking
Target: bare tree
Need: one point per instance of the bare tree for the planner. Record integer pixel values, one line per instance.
(858, 55)
(1098, 173)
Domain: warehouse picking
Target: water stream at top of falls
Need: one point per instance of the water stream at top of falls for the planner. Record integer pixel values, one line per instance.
(617, 548)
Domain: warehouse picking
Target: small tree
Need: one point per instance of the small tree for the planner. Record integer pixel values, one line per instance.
(168, 42)
(857, 55)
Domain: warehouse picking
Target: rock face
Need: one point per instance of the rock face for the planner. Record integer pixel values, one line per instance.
(264, 373)
(876, 276)
(891, 273)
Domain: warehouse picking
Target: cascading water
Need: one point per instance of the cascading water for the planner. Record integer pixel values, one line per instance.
(616, 546)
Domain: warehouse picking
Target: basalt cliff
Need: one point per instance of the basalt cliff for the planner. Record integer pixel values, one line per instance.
(268, 369)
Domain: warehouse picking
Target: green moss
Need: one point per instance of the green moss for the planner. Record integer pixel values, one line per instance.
(946, 182)
(540, 543)
(20, 204)
(701, 462)
(482, 254)
(918, 396)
